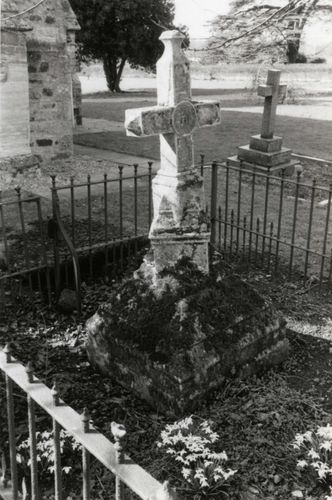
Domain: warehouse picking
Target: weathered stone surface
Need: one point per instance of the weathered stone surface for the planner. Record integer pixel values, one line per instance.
(266, 145)
(262, 158)
(179, 227)
(14, 96)
(174, 342)
(38, 62)
(159, 119)
(289, 167)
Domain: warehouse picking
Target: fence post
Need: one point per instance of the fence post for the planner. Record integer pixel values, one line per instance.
(57, 277)
(119, 433)
(150, 163)
(11, 426)
(202, 163)
(33, 437)
(86, 457)
(213, 211)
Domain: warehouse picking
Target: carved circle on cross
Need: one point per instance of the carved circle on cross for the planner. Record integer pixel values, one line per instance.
(184, 118)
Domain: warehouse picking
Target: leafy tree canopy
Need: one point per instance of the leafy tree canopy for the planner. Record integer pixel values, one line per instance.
(264, 29)
(120, 31)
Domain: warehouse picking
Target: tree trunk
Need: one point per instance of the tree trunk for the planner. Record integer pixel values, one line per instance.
(292, 51)
(113, 72)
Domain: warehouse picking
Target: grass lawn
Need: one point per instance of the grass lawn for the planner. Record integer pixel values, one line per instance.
(303, 135)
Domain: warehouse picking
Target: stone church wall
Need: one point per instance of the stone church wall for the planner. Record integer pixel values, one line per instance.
(51, 63)
(14, 95)
(36, 99)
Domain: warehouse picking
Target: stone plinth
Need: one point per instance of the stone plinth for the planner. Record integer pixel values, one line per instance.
(266, 159)
(173, 343)
(289, 167)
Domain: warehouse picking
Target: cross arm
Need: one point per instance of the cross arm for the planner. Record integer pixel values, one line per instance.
(156, 120)
(149, 121)
(207, 112)
(267, 90)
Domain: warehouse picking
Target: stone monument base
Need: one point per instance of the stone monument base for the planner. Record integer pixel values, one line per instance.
(289, 167)
(174, 340)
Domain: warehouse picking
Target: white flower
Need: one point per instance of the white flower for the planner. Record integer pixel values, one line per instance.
(325, 432)
(325, 445)
(313, 454)
(302, 463)
(308, 436)
(199, 474)
(218, 456)
(229, 473)
(186, 472)
(321, 468)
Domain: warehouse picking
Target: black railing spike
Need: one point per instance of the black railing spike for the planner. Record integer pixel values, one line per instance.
(85, 420)
(8, 352)
(55, 393)
(53, 178)
(29, 371)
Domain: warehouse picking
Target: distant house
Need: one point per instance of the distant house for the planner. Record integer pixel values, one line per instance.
(37, 68)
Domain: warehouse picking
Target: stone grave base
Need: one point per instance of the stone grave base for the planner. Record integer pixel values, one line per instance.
(289, 167)
(173, 341)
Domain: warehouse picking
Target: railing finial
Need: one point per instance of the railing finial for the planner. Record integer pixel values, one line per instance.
(29, 371)
(55, 393)
(119, 432)
(165, 493)
(85, 420)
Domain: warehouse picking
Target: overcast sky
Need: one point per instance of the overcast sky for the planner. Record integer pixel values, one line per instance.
(196, 14)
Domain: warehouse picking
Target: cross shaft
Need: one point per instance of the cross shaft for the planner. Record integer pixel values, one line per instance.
(272, 91)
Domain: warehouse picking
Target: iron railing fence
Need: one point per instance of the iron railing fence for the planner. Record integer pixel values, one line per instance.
(108, 218)
(130, 478)
(25, 257)
(272, 221)
(91, 227)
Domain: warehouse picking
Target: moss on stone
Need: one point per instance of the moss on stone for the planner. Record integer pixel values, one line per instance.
(185, 307)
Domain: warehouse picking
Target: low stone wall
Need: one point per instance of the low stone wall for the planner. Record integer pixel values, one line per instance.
(306, 77)
(14, 170)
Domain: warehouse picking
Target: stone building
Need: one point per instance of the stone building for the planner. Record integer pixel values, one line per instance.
(36, 90)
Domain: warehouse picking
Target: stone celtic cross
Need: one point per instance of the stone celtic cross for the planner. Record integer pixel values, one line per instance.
(179, 223)
(272, 91)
